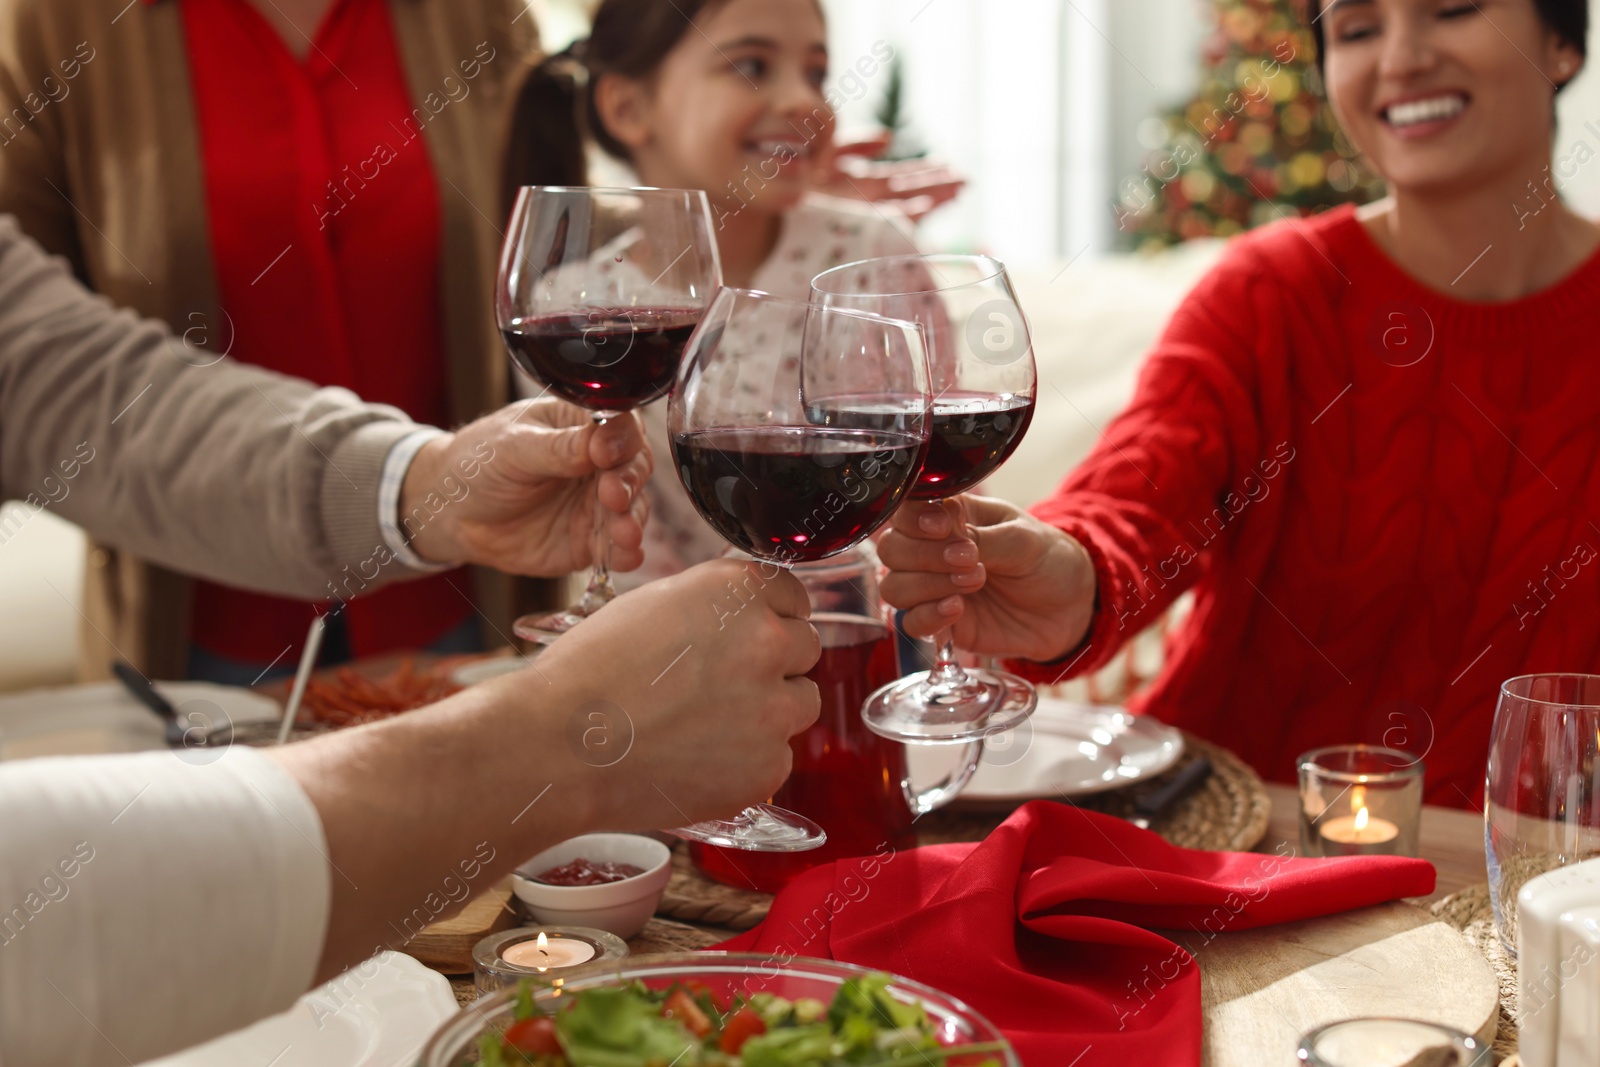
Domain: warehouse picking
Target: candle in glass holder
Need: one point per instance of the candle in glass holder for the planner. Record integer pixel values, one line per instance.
(534, 952)
(1360, 800)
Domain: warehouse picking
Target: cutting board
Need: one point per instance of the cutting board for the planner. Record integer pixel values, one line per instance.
(447, 945)
(1262, 989)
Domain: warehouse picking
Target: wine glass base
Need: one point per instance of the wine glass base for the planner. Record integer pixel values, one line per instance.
(758, 828)
(544, 629)
(917, 710)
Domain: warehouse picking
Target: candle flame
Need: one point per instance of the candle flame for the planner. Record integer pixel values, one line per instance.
(544, 942)
(1358, 796)
(1361, 824)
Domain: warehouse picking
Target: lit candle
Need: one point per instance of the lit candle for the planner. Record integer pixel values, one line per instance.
(1360, 834)
(544, 954)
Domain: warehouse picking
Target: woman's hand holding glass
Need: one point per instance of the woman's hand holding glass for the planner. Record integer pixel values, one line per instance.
(1004, 582)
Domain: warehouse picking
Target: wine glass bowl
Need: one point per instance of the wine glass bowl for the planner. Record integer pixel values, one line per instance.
(599, 290)
(798, 430)
(983, 379)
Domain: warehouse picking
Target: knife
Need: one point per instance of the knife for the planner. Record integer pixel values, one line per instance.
(145, 693)
(1152, 807)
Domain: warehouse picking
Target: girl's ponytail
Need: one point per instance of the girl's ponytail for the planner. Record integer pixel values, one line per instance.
(546, 126)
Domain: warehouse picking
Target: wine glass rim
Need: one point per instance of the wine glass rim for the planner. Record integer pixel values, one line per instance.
(612, 189)
(766, 297)
(993, 266)
(1505, 689)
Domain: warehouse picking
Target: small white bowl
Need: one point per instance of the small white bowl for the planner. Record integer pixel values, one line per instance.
(620, 908)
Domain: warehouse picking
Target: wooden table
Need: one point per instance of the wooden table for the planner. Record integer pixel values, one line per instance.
(1452, 839)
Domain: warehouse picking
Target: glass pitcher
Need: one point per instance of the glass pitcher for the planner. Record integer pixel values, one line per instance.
(847, 778)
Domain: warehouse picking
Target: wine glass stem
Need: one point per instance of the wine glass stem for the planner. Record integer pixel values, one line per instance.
(600, 591)
(946, 670)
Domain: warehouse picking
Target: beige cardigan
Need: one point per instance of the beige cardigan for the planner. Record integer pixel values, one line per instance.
(100, 162)
(230, 472)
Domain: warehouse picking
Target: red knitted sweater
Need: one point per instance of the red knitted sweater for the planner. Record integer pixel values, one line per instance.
(1386, 500)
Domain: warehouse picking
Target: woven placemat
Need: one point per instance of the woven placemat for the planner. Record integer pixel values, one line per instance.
(1469, 911)
(1228, 813)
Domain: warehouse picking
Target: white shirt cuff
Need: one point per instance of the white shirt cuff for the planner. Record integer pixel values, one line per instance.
(392, 479)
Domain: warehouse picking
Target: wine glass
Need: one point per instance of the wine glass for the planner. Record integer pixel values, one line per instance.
(599, 290)
(982, 375)
(796, 430)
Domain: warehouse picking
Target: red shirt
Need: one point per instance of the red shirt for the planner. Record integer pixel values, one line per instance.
(1385, 499)
(325, 230)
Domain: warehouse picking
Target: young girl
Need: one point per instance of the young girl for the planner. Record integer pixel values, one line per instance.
(720, 95)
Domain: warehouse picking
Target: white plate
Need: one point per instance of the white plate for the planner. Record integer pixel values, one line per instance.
(377, 1014)
(84, 720)
(1063, 750)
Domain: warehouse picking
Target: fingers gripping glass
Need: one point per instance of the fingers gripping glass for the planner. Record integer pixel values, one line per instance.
(796, 430)
(598, 292)
(982, 375)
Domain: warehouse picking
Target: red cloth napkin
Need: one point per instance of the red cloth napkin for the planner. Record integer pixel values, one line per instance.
(1044, 926)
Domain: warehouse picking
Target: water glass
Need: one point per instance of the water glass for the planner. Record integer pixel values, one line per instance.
(1542, 794)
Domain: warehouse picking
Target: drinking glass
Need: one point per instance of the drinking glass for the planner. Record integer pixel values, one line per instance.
(599, 290)
(981, 371)
(796, 430)
(1542, 792)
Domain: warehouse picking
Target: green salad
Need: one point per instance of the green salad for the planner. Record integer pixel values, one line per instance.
(685, 1025)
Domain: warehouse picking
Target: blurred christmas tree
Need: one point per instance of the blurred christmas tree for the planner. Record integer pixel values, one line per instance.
(1258, 143)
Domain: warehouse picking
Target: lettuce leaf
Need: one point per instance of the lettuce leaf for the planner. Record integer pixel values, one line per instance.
(620, 1028)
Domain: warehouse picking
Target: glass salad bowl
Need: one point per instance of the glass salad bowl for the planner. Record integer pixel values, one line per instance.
(724, 976)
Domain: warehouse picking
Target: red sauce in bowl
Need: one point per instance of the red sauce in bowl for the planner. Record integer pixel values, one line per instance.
(588, 872)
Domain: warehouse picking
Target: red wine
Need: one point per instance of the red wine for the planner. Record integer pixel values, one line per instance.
(794, 493)
(969, 436)
(604, 360)
(845, 777)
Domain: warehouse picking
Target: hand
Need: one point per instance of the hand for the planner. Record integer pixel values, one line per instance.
(703, 674)
(699, 678)
(1009, 584)
(915, 186)
(517, 490)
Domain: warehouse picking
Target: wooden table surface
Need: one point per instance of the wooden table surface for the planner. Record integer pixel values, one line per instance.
(1452, 839)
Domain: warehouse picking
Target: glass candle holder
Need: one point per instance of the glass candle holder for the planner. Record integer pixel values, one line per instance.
(540, 952)
(1391, 1043)
(1360, 800)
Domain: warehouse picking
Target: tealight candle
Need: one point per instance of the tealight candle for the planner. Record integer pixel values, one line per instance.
(540, 952)
(543, 954)
(1357, 835)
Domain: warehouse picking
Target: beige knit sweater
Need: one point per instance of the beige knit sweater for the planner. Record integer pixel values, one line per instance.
(212, 468)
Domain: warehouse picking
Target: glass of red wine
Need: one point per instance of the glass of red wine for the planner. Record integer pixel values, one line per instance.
(796, 430)
(599, 290)
(981, 371)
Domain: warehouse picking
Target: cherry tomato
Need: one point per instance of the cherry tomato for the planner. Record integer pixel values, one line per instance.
(742, 1026)
(536, 1035)
(681, 1006)
(700, 989)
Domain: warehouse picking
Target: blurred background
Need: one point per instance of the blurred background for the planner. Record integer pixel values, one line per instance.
(1108, 145)
(1057, 110)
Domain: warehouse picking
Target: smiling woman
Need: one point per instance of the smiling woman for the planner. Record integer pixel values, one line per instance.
(1429, 360)
(1451, 101)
